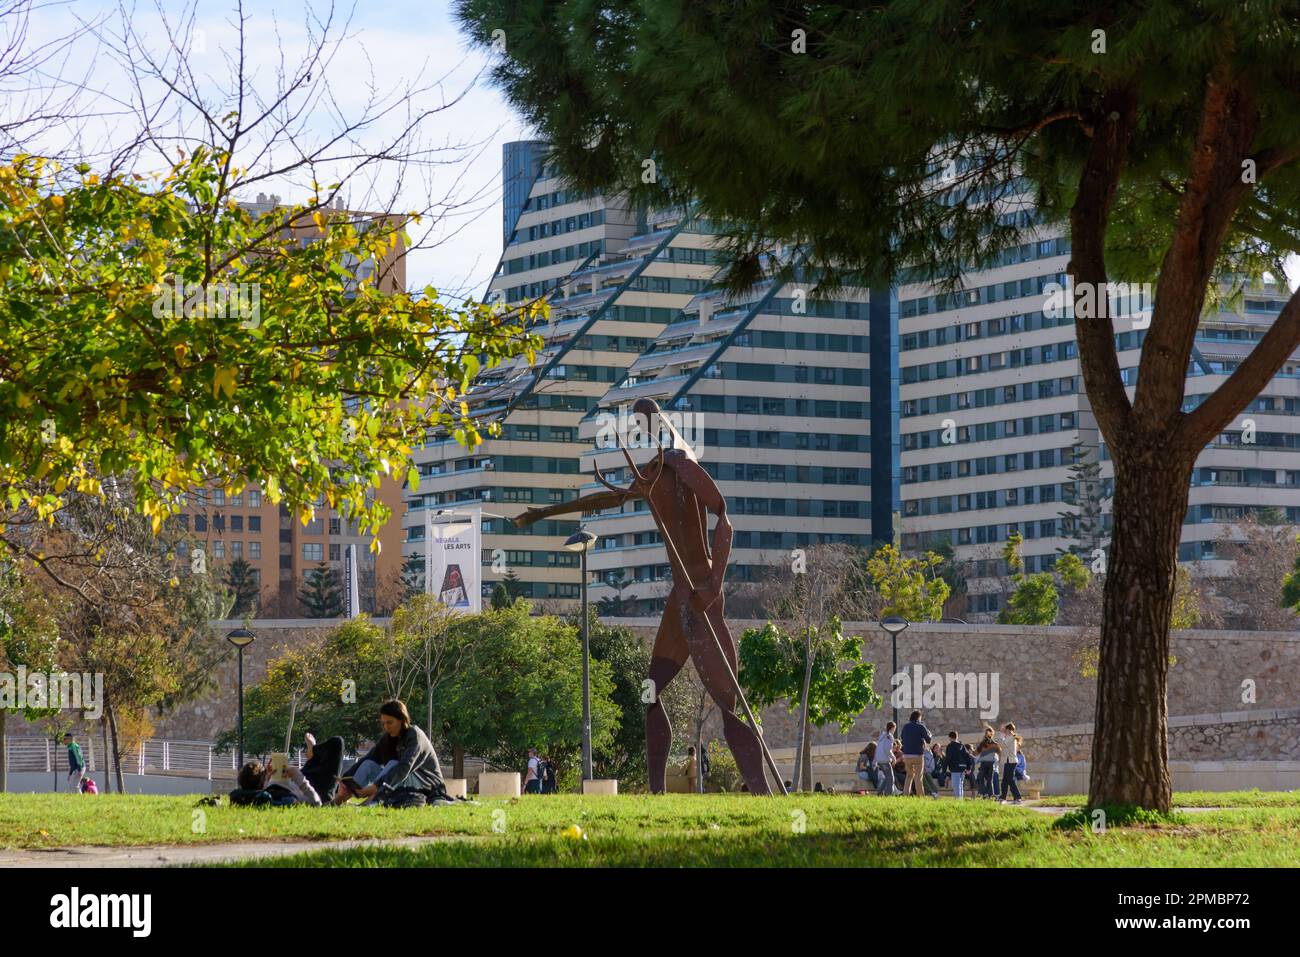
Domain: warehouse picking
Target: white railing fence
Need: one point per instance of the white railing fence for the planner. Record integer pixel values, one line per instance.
(30, 753)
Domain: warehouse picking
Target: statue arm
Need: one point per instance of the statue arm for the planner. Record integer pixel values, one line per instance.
(586, 503)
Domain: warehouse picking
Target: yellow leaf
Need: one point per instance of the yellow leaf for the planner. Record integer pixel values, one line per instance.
(223, 380)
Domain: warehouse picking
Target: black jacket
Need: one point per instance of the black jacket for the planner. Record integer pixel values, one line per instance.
(957, 757)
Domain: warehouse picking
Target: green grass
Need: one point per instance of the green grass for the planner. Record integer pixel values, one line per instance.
(675, 830)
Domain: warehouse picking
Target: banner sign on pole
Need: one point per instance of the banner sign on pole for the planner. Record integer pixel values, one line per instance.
(453, 566)
(351, 586)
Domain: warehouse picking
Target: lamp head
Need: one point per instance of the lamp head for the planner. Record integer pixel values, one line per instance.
(580, 541)
(894, 624)
(241, 637)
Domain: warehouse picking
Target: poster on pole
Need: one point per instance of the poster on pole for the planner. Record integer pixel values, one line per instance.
(351, 587)
(453, 569)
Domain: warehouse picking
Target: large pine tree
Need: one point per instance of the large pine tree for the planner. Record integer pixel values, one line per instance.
(869, 138)
(322, 594)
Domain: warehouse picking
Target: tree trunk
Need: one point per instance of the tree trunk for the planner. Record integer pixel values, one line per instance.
(457, 761)
(4, 753)
(104, 763)
(806, 779)
(1130, 746)
(293, 713)
(116, 752)
(801, 770)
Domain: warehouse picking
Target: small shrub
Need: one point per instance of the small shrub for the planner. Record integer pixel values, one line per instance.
(1118, 815)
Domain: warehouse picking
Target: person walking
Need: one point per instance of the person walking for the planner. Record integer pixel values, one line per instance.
(76, 763)
(1010, 742)
(915, 737)
(958, 762)
(533, 776)
(885, 759)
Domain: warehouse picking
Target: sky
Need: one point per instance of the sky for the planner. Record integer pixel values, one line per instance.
(384, 46)
(388, 45)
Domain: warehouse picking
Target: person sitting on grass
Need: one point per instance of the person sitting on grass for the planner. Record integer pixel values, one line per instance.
(256, 790)
(323, 765)
(416, 777)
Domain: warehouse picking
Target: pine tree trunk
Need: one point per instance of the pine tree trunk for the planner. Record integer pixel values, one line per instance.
(4, 753)
(1130, 747)
(457, 761)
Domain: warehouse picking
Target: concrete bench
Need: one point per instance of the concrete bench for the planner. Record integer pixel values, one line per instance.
(499, 784)
(603, 786)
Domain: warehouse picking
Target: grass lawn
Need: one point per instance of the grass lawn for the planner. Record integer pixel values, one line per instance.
(673, 830)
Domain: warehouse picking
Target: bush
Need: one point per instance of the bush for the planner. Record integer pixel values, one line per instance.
(1117, 815)
(723, 773)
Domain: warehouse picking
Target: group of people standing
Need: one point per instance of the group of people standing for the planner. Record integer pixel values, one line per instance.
(912, 762)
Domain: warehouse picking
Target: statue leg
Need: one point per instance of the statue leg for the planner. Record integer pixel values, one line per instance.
(666, 660)
(712, 668)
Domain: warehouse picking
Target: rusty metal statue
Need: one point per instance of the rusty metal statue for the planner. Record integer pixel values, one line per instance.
(680, 495)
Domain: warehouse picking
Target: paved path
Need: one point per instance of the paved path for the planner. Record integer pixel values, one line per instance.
(166, 856)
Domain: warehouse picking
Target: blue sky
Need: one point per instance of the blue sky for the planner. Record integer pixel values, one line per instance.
(389, 43)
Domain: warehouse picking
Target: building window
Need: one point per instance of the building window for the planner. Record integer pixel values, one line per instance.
(334, 553)
(218, 497)
(218, 549)
(236, 550)
(313, 552)
(335, 526)
(200, 523)
(254, 498)
(254, 523)
(254, 549)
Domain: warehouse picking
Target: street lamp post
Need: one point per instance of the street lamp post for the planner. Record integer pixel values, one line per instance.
(241, 638)
(581, 542)
(895, 625)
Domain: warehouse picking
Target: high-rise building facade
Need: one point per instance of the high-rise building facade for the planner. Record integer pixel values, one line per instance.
(774, 393)
(613, 280)
(994, 414)
(923, 413)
